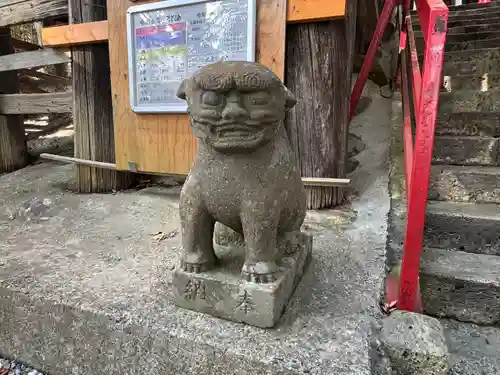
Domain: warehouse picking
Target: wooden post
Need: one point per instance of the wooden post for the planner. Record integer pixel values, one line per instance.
(13, 149)
(92, 105)
(319, 67)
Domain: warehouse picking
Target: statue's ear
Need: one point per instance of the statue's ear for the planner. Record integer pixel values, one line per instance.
(181, 91)
(290, 100)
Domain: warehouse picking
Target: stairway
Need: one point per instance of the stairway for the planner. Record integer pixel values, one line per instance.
(460, 271)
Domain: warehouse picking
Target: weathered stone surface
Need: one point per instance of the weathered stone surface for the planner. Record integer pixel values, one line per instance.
(479, 61)
(224, 294)
(463, 45)
(244, 175)
(457, 37)
(415, 344)
(471, 7)
(461, 21)
(460, 285)
(465, 150)
(466, 184)
(469, 124)
(473, 28)
(463, 226)
(473, 82)
(473, 349)
(468, 101)
(225, 236)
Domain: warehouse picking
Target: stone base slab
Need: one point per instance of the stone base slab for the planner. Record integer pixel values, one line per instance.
(223, 293)
(415, 344)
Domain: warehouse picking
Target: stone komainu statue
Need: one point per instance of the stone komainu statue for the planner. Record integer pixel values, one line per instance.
(244, 175)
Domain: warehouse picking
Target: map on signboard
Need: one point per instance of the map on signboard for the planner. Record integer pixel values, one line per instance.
(170, 40)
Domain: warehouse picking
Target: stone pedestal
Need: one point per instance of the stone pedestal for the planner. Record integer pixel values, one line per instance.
(223, 293)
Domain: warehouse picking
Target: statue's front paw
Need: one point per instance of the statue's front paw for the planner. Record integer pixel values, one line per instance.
(259, 272)
(195, 263)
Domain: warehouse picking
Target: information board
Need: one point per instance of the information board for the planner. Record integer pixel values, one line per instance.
(170, 40)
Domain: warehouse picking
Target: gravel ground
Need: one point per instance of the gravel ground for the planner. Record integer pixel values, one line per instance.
(15, 368)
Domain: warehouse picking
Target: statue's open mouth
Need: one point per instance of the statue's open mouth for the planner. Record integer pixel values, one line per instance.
(237, 131)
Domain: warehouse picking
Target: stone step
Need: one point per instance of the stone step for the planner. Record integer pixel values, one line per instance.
(469, 124)
(472, 61)
(472, 28)
(471, 82)
(473, 348)
(453, 38)
(452, 46)
(466, 7)
(469, 101)
(490, 18)
(465, 184)
(471, 7)
(460, 285)
(453, 9)
(465, 150)
(467, 14)
(469, 227)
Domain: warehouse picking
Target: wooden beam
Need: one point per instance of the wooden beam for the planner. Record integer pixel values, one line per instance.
(302, 11)
(46, 78)
(25, 46)
(93, 106)
(297, 11)
(13, 12)
(33, 59)
(317, 181)
(61, 121)
(56, 102)
(13, 149)
(75, 34)
(271, 35)
(308, 181)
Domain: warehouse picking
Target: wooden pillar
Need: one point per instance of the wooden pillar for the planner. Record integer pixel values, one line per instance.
(318, 71)
(92, 105)
(13, 149)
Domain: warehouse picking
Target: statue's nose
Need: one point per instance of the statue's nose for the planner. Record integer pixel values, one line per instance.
(234, 111)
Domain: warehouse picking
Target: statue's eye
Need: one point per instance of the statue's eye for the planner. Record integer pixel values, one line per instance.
(258, 98)
(211, 98)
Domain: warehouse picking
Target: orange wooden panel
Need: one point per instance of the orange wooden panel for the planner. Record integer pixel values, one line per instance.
(95, 32)
(271, 37)
(163, 143)
(314, 10)
(71, 35)
(155, 142)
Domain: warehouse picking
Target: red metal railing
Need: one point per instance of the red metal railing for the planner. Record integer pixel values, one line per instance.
(433, 18)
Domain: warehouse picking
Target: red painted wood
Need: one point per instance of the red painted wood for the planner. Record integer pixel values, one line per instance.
(407, 133)
(433, 15)
(415, 67)
(370, 54)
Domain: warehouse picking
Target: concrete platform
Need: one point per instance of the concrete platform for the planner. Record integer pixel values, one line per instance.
(86, 280)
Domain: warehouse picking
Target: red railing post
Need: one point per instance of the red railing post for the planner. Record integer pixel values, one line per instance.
(434, 17)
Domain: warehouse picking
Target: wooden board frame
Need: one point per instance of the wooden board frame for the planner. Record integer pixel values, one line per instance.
(163, 143)
(97, 32)
(175, 6)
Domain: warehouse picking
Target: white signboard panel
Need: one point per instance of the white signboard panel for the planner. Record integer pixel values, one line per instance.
(170, 40)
